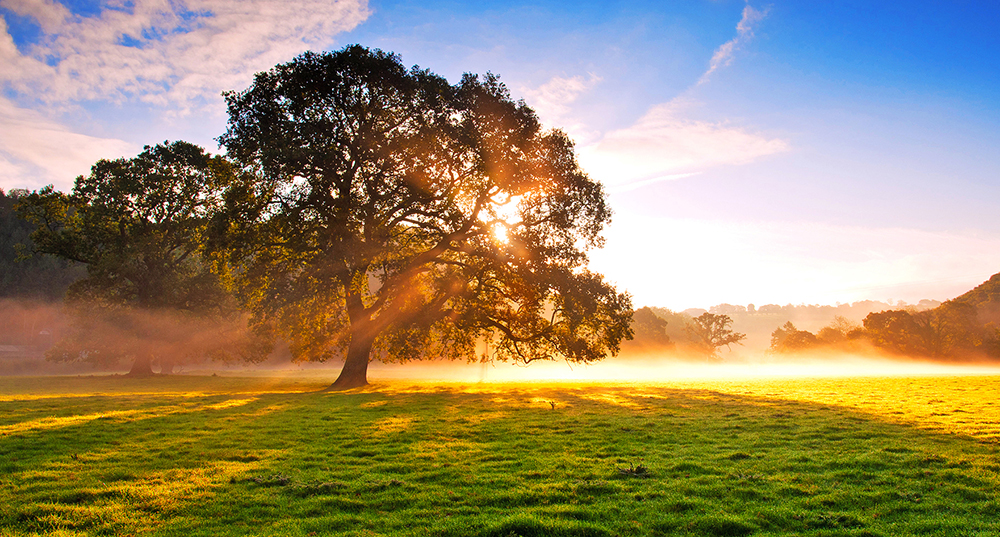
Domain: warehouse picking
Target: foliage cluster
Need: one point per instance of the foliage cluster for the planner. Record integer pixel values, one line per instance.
(660, 330)
(963, 328)
(842, 334)
(26, 276)
(951, 331)
(139, 226)
(649, 332)
(222, 456)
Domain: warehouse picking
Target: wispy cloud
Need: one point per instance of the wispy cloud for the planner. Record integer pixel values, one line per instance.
(552, 99)
(49, 15)
(744, 33)
(36, 151)
(667, 144)
(179, 52)
(553, 103)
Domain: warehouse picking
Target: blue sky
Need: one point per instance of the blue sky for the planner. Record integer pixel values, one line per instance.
(782, 152)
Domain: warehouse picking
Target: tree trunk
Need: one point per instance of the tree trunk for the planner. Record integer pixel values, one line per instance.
(355, 371)
(167, 366)
(142, 367)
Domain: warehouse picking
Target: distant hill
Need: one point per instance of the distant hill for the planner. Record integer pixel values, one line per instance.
(986, 298)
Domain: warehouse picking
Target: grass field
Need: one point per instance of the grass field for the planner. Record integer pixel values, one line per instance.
(256, 456)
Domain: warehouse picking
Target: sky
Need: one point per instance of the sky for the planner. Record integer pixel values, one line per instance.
(790, 152)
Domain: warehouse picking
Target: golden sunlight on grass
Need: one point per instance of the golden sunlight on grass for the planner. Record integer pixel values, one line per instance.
(773, 456)
(119, 416)
(41, 424)
(477, 418)
(40, 388)
(956, 405)
(391, 424)
(231, 403)
(129, 501)
(609, 398)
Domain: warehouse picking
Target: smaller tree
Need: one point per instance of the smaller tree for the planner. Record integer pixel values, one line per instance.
(709, 332)
(139, 226)
(840, 331)
(892, 330)
(24, 276)
(649, 331)
(787, 339)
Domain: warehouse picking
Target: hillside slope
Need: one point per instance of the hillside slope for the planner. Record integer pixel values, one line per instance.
(986, 298)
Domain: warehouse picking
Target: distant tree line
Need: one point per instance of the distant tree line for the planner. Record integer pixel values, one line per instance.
(662, 330)
(854, 310)
(842, 334)
(962, 328)
(965, 328)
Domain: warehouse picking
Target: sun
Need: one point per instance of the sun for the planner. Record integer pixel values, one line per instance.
(500, 232)
(503, 217)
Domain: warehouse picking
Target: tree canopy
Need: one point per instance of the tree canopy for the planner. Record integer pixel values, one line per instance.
(649, 331)
(951, 330)
(842, 334)
(26, 276)
(710, 332)
(139, 226)
(392, 215)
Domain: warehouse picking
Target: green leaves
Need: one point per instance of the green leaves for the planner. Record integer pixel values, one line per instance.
(140, 225)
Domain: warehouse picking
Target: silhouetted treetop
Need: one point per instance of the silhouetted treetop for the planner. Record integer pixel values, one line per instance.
(710, 332)
(649, 330)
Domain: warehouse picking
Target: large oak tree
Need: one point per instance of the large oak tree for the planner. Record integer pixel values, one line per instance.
(395, 216)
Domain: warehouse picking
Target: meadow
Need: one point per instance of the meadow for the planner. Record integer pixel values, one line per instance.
(208, 455)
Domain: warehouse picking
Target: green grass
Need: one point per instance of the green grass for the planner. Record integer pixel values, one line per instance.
(212, 456)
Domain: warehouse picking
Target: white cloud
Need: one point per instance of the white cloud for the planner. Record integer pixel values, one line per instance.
(666, 144)
(14, 64)
(178, 52)
(744, 32)
(553, 103)
(552, 99)
(35, 151)
(178, 55)
(49, 15)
